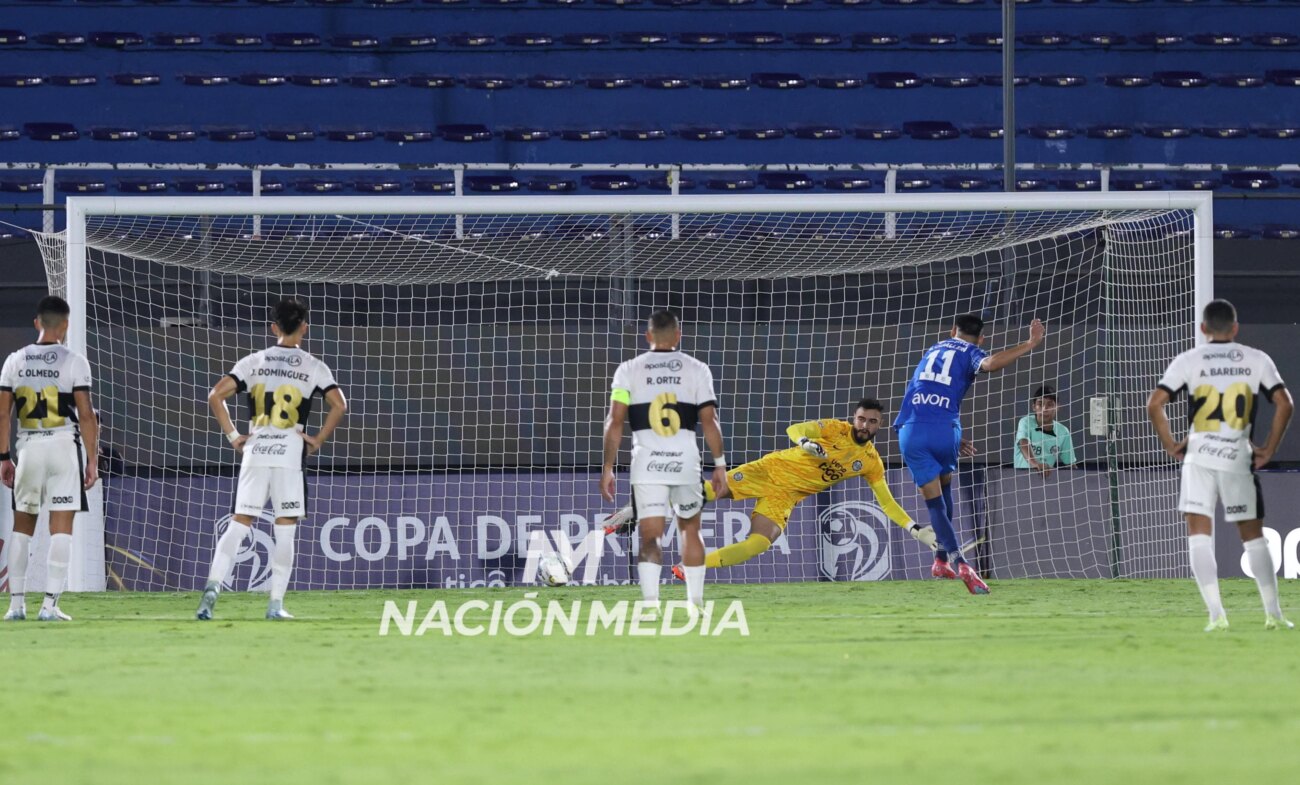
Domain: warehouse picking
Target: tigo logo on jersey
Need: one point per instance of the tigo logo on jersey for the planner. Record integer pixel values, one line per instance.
(852, 548)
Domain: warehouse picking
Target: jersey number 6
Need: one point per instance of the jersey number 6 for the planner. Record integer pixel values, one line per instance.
(664, 419)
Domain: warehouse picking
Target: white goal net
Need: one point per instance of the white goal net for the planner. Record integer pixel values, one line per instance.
(476, 352)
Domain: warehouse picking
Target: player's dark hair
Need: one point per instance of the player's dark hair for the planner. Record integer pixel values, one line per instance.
(663, 320)
(289, 314)
(868, 403)
(969, 324)
(1219, 316)
(52, 311)
(1045, 391)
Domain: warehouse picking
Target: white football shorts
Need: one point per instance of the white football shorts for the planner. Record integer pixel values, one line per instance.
(49, 474)
(1239, 492)
(286, 487)
(653, 501)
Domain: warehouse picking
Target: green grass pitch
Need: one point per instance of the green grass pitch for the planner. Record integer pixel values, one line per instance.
(908, 682)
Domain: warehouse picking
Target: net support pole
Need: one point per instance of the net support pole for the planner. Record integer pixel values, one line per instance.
(76, 276)
(1203, 226)
(1009, 95)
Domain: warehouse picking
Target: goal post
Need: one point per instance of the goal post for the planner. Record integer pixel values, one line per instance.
(475, 337)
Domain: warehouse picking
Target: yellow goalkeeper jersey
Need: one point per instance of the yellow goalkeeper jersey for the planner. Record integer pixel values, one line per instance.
(796, 470)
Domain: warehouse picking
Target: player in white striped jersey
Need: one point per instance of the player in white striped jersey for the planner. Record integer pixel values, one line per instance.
(280, 382)
(50, 384)
(1224, 381)
(665, 393)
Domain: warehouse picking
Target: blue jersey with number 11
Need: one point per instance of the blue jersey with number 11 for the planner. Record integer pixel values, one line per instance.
(940, 382)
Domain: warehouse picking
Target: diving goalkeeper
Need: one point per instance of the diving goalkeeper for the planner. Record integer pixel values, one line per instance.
(826, 452)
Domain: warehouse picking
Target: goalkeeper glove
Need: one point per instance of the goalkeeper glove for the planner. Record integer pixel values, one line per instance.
(924, 535)
(812, 448)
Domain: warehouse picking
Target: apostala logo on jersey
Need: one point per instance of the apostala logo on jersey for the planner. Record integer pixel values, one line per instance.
(291, 360)
(49, 358)
(671, 365)
(853, 547)
(256, 550)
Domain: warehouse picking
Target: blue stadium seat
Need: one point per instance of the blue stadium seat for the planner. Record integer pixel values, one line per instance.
(1159, 39)
(723, 82)
(418, 41)
(314, 80)
(1166, 131)
(373, 81)
(433, 184)
(23, 183)
(74, 80)
(172, 133)
(955, 81)
(488, 82)
(877, 134)
(661, 184)
(1216, 39)
(141, 185)
(51, 132)
(205, 80)
(63, 40)
(875, 39)
(1284, 77)
(529, 39)
(1225, 132)
(12, 38)
(293, 40)
(847, 182)
(1043, 39)
(196, 184)
(349, 135)
(702, 133)
(21, 80)
(491, 183)
(1196, 182)
(319, 185)
(552, 184)
(1102, 39)
(983, 39)
(1128, 80)
(472, 40)
(240, 39)
(526, 134)
(584, 134)
(1277, 131)
(1251, 181)
(268, 186)
(1136, 182)
(1050, 132)
(642, 38)
(817, 39)
(760, 133)
(984, 131)
(408, 135)
(1278, 232)
(355, 41)
(585, 39)
(231, 134)
(931, 130)
(1240, 80)
(294, 134)
(137, 80)
(177, 39)
(611, 182)
(779, 81)
(610, 82)
(702, 39)
(817, 132)
(549, 82)
(933, 39)
(666, 82)
(116, 40)
(758, 39)
(731, 184)
(1061, 80)
(839, 82)
(113, 134)
(82, 184)
(966, 182)
(1032, 183)
(896, 80)
(1275, 39)
(995, 80)
(377, 185)
(1182, 79)
(642, 134)
(464, 132)
(1228, 232)
(912, 182)
(263, 80)
(437, 81)
(1083, 181)
(1109, 131)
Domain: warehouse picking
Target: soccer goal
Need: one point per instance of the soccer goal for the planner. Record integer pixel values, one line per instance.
(475, 338)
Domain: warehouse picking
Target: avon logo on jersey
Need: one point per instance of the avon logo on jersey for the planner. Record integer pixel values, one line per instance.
(931, 399)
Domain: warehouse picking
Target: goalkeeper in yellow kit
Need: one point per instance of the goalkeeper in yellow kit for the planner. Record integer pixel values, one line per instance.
(826, 452)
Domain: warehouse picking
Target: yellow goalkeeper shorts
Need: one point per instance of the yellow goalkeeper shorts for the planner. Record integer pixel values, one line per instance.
(750, 481)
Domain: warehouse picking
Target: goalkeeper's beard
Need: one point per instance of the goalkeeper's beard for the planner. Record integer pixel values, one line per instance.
(860, 439)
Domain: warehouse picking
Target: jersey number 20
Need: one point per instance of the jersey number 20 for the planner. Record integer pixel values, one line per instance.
(1212, 408)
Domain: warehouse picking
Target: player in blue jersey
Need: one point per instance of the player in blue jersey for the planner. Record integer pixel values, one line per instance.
(929, 428)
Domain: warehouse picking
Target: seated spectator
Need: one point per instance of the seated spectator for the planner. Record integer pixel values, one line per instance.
(1042, 444)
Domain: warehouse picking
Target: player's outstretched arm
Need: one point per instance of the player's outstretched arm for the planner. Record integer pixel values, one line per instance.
(889, 505)
(88, 425)
(613, 437)
(1156, 412)
(1283, 408)
(806, 434)
(338, 407)
(6, 411)
(217, 403)
(713, 437)
(1000, 360)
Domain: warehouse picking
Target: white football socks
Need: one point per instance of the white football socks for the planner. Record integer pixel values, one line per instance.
(56, 571)
(282, 561)
(227, 548)
(1261, 565)
(1200, 551)
(20, 546)
(694, 584)
(647, 573)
